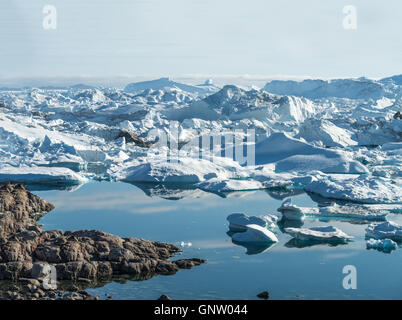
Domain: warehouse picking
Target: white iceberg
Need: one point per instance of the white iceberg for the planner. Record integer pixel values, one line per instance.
(239, 222)
(290, 154)
(327, 233)
(255, 234)
(385, 230)
(386, 245)
(184, 170)
(352, 212)
(41, 175)
(230, 185)
(363, 189)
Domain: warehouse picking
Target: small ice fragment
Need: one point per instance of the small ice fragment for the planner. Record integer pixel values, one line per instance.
(238, 222)
(386, 245)
(255, 234)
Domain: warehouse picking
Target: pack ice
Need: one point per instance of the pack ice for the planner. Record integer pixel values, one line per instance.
(339, 127)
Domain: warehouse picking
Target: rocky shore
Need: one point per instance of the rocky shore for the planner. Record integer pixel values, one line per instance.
(85, 256)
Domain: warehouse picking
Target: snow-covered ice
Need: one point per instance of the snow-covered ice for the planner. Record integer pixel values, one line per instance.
(326, 233)
(40, 175)
(385, 230)
(239, 222)
(255, 234)
(386, 245)
(350, 212)
(336, 127)
(361, 189)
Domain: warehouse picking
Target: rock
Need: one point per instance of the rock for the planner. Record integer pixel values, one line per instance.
(398, 115)
(130, 137)
(29, 253)
(263, 295)
(165, 297)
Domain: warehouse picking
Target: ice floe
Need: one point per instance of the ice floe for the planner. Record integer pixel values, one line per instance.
(361, 189)
(385, 230)
(40, 175)
(239, 222)
(385, 245)
(255, 234)
(350, 212)
(326, 233)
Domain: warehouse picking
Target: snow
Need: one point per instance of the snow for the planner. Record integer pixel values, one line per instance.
(40, 175)
(386, 245)
(326, 233)
(290, 154)
(385, 230)
(238, 222)
(339, 88)
(335, 138)
(184, 170)
(217, 185)
(255, 234)
(351, 212)
(363, 189)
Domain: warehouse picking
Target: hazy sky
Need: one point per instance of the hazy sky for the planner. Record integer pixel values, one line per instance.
(152, 38)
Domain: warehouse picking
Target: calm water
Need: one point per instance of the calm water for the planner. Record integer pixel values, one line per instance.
(230, 273)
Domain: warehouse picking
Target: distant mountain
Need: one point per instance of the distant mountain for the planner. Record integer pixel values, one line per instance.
(361, 88)
(163, 83)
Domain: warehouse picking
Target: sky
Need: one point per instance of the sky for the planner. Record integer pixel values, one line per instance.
(198, 39)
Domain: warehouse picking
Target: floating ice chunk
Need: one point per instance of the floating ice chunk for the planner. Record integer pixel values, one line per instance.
(185, 170)
(185, 244)
(238, 222)
(217, 185)
(363, 189)
(386, 245)
(291, 211)
(357, 212)
(385, 230)
(255, 234)
(327, 233)
(41, 175)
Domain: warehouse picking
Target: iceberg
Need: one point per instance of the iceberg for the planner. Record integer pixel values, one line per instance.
(350, 212)
(363, 189)
(290, 154)
(182, 171)
(40, 175)
(385, 245)
(238, 222)
(255, 234)
(221, 186)
(325, 234)
(385, 230)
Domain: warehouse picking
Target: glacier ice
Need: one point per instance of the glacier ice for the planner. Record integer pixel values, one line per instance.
(326, 233)
(384, 230)
(343, 126)
(238, 222)
(255, 234)
(350, 212)
(385, 245)
(361, 189)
